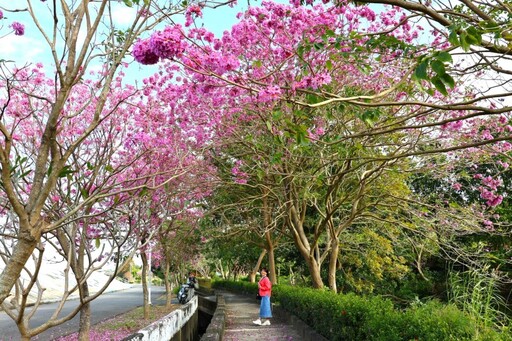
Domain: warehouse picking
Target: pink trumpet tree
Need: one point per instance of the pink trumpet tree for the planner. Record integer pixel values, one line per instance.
(106, 171)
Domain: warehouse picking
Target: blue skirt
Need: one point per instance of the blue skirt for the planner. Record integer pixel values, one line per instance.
(265, 311)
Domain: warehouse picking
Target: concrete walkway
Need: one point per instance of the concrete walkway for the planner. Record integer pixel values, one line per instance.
(242, 310)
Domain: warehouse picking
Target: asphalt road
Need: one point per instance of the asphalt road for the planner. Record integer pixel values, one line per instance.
(102, 308)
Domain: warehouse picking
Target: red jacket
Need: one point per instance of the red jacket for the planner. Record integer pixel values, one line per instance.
(265, 286)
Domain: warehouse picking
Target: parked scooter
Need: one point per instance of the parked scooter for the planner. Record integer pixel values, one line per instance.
(187, 291)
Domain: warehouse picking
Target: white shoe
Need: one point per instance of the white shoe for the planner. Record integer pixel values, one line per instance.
(266, 323)
(258, 322)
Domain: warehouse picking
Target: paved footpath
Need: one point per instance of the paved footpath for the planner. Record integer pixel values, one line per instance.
(242, 310)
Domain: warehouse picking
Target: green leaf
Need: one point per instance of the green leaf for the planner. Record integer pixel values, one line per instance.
(453, 38)
(330, 33)
(438, 67)
(299, 137)
(370, 116)
(318, 46)
(448, 80)
(311, 99)
(257, 63)
(489, 25)
(444, 57)
(84, 193)
(22, 175)
(464, 43)
(438, 83)
(260, 174)
(475, 35)
(276, 158)
(328, 65)
(65, 171)
(269, 125)
(421, 70)
(98, 243)
(277, 114)
(300, 51)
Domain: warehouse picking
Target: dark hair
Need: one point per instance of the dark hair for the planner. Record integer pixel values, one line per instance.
(264, 269)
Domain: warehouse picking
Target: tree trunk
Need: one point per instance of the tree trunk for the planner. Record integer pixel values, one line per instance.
(314, 271)
(220, 268)
(267, 224)
(272, 263)
(252, 275)
(144, 280)
(85, 316)
(302, 244)
(333, 260)
(20, 255)
(168, 287)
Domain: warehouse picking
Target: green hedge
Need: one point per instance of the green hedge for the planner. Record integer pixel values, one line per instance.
(353, 317)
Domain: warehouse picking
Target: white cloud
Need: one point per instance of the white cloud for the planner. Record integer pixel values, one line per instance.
(123, 15)
(21, 49)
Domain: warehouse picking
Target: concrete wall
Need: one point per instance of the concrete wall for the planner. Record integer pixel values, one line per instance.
(179, 325)
(215, 330)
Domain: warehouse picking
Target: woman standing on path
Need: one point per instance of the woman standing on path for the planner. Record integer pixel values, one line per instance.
(265, 289)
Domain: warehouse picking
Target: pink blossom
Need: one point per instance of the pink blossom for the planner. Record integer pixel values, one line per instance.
(492, 183)
(240, 176)
(506, 146)
(269, 93)
(19, 29)
(169, 43)
(505, 165)
(143, 54)
(457, 186)
(192, 12)
(486, 134)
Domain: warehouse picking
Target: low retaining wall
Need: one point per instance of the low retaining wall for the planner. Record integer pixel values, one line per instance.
(179, 325)
(215, 330)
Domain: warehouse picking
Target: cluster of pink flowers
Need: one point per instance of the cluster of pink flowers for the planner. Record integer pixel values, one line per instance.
(192, 12)
(166, 44)
(18, 28)
(269, 94)
(240, 176)
(488, 191)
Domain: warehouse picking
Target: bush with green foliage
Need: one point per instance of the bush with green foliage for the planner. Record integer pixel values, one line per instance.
(353, 317)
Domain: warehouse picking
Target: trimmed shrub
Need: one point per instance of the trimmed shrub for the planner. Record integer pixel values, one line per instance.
(353, 317)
